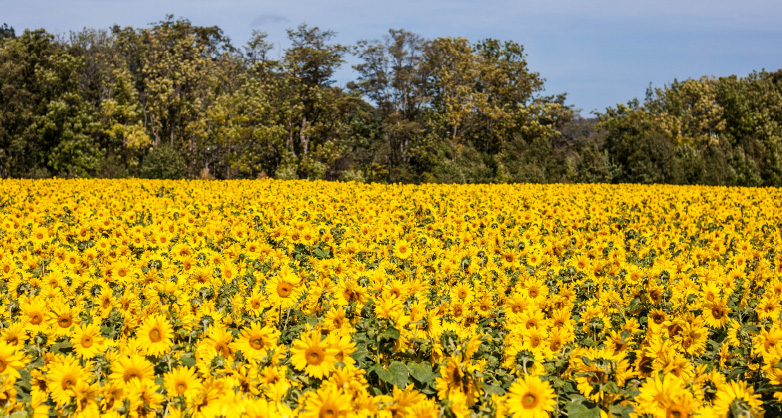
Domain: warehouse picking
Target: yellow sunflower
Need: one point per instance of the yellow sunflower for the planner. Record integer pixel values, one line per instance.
(254, 342)
(131, 367)
(63, 376)
(313, 355)
(402, 249)
(87, 341)
(282, 289)
(182, 381)
(530, 397)
(155, 335)
(11, 360)
(739, 396)
(328, 401)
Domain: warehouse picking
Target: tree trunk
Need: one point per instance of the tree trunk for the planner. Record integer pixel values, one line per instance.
(305, 141)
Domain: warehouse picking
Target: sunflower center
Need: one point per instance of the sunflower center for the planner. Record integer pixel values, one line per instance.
(155, 335)
(36, 318)
(86, 342)
(222, 349)
(3, 365)
(717, 312)
(529, 400)
(457, 377)
(68, 382)
(64, 322)
(676, 411)
(181, 387)
(327, 412)
(256, 343)
(284, 289)
(255, 304)
(314, 357)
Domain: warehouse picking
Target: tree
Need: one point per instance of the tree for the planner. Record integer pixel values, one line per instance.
(7, 31)
(311, 62)
(393, 77)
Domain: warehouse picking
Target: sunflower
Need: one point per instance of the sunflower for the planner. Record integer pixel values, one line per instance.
(282, 289)
(313, 355)
(530, 397)
(254, 342)
(454, 380)
(335, 319)
(11, 360)
(182, 381)
(402, 249)
(62, 317)
(220, 339)
(105, 302)
(113, 394)
(14, 334)
(85, 395)
(275, 383)
(131, 367)
(256, 303)
(733, 396)
(34, 314)
(87, 341)
(258, 408)
(716, 313)
(144, 397)
(345, 347)
(328, 401)
(63, 376)
(155, 335)
(657, 394)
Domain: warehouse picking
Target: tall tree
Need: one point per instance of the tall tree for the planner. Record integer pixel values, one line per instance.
(393, 77)
(311, 60)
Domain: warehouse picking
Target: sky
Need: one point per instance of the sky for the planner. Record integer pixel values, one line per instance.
(599, 52)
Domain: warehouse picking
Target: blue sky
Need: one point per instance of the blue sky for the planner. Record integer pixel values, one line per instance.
(600, 52)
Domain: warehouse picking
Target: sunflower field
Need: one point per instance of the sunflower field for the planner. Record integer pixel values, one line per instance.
(271, 298)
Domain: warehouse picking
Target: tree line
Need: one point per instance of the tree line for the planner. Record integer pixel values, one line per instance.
(177, 100)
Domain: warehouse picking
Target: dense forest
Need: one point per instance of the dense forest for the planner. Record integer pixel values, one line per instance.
(176, 100)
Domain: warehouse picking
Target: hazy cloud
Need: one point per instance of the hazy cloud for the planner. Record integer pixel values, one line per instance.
(268, 18)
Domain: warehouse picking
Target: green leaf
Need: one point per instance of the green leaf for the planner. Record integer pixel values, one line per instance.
(62, 347)
(390, 333)
(396, 374)
(577, 410)
(493, 390)
(421, 372)
(360, 353)
(622, 410)
(187, 360)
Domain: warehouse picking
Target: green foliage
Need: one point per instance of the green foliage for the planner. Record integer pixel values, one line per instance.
(721, 131)
(7, 31)
(433, 110)
(163, 162)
